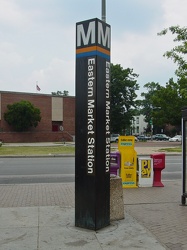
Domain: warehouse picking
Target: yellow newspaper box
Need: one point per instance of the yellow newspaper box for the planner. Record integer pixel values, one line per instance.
(128, 171)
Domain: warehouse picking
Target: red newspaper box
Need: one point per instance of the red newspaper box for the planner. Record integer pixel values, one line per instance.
(158, 166)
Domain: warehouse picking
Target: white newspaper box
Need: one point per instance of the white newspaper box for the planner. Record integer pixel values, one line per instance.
(145, 172)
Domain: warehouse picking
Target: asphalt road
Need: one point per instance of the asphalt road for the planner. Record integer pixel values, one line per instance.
(37, 170)
(61, 169)
(173, 168)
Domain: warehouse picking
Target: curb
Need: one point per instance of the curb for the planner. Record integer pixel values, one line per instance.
(73, 155)
(37, 156)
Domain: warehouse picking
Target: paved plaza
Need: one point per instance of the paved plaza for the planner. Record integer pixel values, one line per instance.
(156, 211)
(41, 216)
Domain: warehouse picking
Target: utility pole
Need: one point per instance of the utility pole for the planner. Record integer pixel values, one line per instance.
(104, 11)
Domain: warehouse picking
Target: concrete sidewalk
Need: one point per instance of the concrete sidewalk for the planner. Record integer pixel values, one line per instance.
(52, 227)
(41, 216)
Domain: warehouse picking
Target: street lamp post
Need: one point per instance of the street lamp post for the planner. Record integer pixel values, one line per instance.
(151, 123)
(151, 119)
(104, 11)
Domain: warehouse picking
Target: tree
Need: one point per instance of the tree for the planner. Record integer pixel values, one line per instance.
(177, 54)
(175, 92)
(147, 103)
(59, 93)
(170, 100)
(163, 105)
(22, 115)
(123, 87)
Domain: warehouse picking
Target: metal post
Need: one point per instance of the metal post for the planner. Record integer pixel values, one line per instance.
(152, 130)
(104, 11)
(184, 157)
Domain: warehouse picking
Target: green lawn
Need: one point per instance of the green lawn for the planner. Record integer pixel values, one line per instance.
(54, 150)
(174, 150)
(36, 150)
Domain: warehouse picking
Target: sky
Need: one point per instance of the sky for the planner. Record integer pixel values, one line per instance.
(37, 40)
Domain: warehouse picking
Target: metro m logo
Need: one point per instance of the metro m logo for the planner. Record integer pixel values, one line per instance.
(93, 32)
(85, 38)
(103, 39)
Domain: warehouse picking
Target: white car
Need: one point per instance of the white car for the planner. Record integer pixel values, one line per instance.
(114, 137)
(176, 138)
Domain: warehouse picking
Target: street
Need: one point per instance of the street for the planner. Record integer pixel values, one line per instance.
(173, 169)
(62, 169)
(37, 170)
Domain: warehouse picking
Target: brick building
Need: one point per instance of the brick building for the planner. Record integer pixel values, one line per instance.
(57, 118)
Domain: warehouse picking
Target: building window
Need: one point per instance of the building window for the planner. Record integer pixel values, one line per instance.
(137, 120)
(137, 129)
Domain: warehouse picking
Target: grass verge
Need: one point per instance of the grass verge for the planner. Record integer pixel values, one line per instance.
(32, 150)
(55, 150)
(174, 150)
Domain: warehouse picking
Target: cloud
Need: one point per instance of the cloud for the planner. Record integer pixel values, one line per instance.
(174, 12)
(37, 40)
(12, 15)
(58, 75)
(144, 54)
(9, 54)
(143, 51)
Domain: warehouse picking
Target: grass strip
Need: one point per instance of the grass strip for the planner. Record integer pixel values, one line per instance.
(172, 150)
(36, 150)
(55, 150)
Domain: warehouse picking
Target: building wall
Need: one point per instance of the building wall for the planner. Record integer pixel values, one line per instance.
(57, 109)
(69, 114)
(138, 125)
(50, 109)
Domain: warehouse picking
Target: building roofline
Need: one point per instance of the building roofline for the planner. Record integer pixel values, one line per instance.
(37, 94)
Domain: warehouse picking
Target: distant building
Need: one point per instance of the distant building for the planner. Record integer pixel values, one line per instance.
(57, 118)
(138, 125)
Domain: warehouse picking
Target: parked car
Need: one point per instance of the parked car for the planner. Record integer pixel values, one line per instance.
(114, 137)
(176, 138)
(143, 137)
(161, 137)
(153, 137)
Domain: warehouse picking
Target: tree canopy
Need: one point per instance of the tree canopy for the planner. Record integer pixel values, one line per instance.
(163, 104)
(170, 99)
(22, 115)
(178, 53)
(123, 95)
(147, 102)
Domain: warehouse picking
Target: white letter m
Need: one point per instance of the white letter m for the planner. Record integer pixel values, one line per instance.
(85, 37)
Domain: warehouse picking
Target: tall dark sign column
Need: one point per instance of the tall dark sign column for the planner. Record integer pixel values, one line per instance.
(92, 156)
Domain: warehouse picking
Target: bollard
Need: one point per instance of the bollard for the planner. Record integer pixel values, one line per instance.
(116, 199)
(158, 166)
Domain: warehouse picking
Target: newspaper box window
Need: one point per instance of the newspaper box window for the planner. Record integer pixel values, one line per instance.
(146, 172)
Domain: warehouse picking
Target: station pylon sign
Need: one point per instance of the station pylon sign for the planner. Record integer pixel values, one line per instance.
(92, 144)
